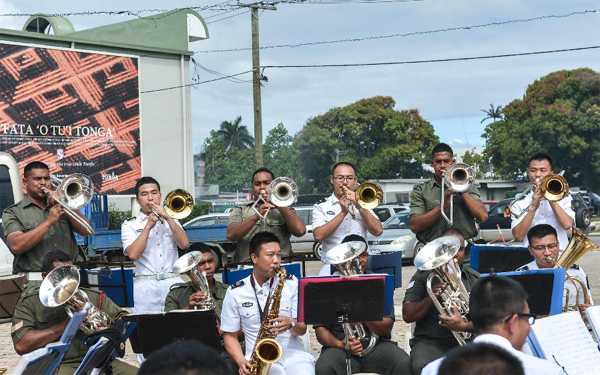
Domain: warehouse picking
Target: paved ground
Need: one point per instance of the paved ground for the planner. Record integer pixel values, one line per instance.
(590, 263)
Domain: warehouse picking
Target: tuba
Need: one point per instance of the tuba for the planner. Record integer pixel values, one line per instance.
(553, 188)
(61, 286)
(187, 267)
(178, 204)
(368, 196)
(459, 178)
(282, 192)
(72, 193)
(345, 258)
(438, 255)
(267, 350)
(577, 247)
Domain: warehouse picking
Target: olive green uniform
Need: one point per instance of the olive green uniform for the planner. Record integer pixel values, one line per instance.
(273, 223)
(430, 340)
(426, 196)
(30, 314)
(385, 359)
(25, 216)
(179, 297)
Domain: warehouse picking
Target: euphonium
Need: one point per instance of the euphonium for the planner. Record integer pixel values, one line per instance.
(553, 188)
(577, 247)
(459, 178)
(187, 267)
(267, 350)
(61, 286)
(345, 258)
(282, 192)
(438, 255)
(72, 193)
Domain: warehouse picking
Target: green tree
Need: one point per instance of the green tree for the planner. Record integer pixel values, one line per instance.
(479, 163)
(559, 115)
(235, 135)
(381, 141)
(494, 113)
(280, 154)
(229, 168)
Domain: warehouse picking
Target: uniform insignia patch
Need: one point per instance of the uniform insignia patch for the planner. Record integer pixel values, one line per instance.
(239, 283)
(575, 266)
(247, 304)
(289, 276)
(330, 213)
(410, 285)
(16, 327)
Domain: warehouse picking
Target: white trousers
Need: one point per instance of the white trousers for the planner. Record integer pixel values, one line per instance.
(294, 362)
(150, 295)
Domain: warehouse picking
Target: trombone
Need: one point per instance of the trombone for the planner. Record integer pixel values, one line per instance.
(459, 178)
(72, 193)
(368, 196)
(282, 192)
(178, 204)
(553, 188)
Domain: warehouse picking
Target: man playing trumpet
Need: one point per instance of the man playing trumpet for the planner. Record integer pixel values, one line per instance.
(332, 220)
(244, 222)
(559, 215)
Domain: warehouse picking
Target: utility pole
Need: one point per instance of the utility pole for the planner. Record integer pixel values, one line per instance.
(256, 79)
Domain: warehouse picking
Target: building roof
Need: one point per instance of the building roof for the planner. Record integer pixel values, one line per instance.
(165, 33)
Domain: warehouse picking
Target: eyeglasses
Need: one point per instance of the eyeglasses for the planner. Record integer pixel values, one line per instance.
(550, 247)
(342, 178)
(530, 317)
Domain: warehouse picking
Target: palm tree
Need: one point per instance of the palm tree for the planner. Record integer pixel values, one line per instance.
(494, 113)
(235, 135)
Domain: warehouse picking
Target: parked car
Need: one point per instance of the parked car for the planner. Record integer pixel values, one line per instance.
(306, 243)
(208, 219)
(385, 211)
(488, 230)
(396, 236)
(593, 200)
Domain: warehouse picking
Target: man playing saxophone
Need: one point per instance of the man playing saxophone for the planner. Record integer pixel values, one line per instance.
(543, 246)
(248, 300)
(559, 215)
(432, 335)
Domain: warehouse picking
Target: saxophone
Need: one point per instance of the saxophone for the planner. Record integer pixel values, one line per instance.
(267, 350)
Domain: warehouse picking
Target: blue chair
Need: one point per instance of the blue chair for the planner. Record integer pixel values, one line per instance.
(231, 277)
(46, 360)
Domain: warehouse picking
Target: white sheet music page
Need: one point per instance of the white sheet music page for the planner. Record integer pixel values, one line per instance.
(564, 337)
(593, 314)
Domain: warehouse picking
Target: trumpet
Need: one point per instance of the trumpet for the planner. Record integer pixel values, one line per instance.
(72, 193)
(282, 192)
(459, 178)
(369, 195)
(178, 204)
(553, 188)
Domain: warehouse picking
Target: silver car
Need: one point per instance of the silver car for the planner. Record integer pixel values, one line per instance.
(396, 236)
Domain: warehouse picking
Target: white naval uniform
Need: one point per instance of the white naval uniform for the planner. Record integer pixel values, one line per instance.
(324, 212)
(574, 271)
(532, 365)
(544, 215)
(240, 310)
(156, 261)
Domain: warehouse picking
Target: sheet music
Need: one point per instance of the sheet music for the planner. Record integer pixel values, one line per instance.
(565, 337)
(593, 314)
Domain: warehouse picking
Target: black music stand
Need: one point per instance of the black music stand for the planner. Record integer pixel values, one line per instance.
(342, 300)
(10, 291)
(153, 331)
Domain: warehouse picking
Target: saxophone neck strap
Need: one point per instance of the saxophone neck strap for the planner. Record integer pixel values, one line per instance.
(253, 284)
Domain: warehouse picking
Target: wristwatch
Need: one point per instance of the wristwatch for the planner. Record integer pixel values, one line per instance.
(292, 324)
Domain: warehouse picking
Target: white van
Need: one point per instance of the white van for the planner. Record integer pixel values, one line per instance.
(11, 191)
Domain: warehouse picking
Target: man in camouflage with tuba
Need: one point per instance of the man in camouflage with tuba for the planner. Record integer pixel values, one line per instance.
(35, 325)
(432, 335)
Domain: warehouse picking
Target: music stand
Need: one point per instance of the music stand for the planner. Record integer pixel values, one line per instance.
(390, 263)
(155, 330)
(331, 300)
(494, 259)
(10, 291)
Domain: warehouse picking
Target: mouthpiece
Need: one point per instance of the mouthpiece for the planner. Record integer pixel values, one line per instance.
(549, 259)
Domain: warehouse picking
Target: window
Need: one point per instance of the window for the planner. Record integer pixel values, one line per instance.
(6, 191)
(305, 215)
(396, 222)
(402, 197)
(382, 213)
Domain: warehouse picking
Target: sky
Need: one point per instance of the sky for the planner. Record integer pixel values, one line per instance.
(450, 95)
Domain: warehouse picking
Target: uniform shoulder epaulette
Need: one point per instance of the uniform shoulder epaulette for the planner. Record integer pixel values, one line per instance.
(131, 218)
(523, 268)
(90, 290)
(289, 276)
(30, 291)
(178, 285)
(472, 271)
(575, 266)
(239, 283)
(12, 205)
(322, 200)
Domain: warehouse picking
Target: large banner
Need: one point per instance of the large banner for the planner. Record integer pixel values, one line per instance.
(76, 111)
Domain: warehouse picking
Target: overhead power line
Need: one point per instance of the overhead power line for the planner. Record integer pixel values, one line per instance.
(409, 34)
(196, 83)
(485, 57)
